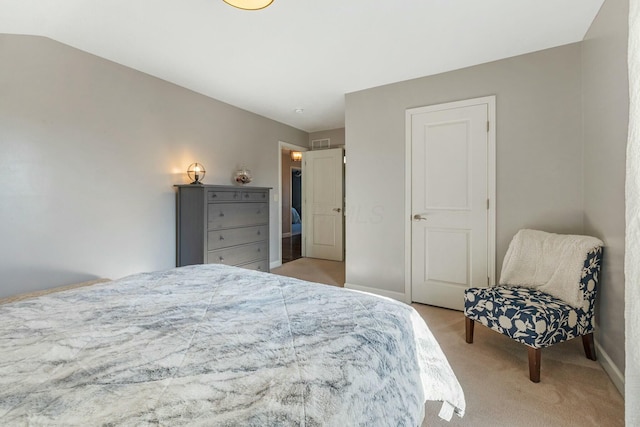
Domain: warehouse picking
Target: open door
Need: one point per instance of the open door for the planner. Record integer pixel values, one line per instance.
(323, 217)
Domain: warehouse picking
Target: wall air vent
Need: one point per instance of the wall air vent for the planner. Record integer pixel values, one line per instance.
(320, 144)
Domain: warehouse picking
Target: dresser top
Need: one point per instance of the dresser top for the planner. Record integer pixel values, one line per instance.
(222, 187)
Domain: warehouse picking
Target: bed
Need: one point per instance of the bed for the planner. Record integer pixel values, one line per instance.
(296, 222)
(218, 345)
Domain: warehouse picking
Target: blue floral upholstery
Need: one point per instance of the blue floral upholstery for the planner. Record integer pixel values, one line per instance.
(532, 317)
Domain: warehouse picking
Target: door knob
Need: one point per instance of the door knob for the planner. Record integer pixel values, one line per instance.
(418, 217)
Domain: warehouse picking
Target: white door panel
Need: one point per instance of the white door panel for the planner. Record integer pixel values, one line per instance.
(445, 157)
(449, 194)
(448, 256)
(323, 218)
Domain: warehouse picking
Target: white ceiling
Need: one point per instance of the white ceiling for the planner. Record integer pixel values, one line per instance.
(300, 53)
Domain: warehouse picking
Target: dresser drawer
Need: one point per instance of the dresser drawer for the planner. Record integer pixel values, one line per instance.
(223, 195)
(262, 265)
(236, 236)
(227, 215)
(254, 196)
(237, 255)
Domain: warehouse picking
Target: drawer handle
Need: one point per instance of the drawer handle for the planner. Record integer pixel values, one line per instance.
(221, 213)
(214, 195)
(246, 195)
(260, 267)
(259, 250)
(221, 238)
(258, 232)
(264, 195)
(221, 259)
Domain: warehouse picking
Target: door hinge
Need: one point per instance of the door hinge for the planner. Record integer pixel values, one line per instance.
(487, 282)
(487, 204)
(487, 126)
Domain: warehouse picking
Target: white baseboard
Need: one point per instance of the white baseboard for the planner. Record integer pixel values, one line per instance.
(382, 292)
(275, 264)
(610, 368)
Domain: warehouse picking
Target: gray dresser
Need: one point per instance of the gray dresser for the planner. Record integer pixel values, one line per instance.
(222, 224)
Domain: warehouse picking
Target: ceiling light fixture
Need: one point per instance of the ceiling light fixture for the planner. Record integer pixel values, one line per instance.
(249, 4)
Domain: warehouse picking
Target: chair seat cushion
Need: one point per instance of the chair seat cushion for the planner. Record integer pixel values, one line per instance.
(528, 316)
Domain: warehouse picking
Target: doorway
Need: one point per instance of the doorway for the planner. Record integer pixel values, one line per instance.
(291, 201)
(292, 245)
(451, 200)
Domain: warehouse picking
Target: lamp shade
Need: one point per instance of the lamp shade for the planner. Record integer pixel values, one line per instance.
(196, 173)
(249, 4)
(296, 156)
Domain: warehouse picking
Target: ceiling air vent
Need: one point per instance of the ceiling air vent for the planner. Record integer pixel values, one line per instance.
(320, 144)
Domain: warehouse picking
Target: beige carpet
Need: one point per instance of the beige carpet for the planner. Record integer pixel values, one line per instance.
(493, 371)
(314, 270)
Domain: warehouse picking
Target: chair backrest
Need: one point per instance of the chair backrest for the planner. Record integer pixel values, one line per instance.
(549, 262)
(590, 277)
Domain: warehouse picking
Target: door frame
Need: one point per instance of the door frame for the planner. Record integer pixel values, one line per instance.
(490, 101)
(287, 146)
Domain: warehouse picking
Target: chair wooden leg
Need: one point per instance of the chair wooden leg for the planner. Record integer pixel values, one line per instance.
(589, 347)
(534, 364)
(468, 328)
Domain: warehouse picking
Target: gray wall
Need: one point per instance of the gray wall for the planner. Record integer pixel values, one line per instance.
(605, 106)
(539, 156)
(89, 152)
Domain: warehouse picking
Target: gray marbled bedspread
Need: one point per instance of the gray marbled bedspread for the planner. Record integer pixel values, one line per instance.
(213, 345)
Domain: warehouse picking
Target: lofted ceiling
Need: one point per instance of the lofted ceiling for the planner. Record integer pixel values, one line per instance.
(300, 54)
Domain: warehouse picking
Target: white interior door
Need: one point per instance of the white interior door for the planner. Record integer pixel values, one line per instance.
(323, 219)
(450, 202)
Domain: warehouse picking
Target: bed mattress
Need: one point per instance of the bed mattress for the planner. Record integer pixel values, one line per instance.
(218, 345)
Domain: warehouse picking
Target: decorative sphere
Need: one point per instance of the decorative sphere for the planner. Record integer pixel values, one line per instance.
(243, 176)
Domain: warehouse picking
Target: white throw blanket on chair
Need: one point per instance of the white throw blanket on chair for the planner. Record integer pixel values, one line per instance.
(549, 262)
